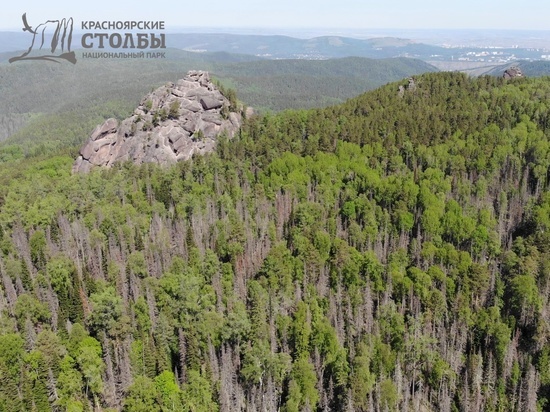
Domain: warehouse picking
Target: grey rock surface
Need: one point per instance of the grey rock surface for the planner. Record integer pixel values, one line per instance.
(512, 72)
(171, 124)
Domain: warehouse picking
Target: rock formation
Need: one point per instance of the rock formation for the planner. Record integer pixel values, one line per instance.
(411, 87)
(512, 72)
(171, 124)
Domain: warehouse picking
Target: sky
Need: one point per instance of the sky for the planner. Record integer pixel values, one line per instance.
(294, 14)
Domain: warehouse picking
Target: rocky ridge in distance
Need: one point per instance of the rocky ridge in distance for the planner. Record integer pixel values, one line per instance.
(171, 124)
(512, 72)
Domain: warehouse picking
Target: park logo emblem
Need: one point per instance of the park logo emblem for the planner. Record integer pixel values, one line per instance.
(60, 41)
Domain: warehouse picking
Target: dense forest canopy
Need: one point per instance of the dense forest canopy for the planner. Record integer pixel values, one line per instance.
(390, 253)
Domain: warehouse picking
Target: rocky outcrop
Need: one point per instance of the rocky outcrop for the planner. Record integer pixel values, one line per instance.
(411, 87)
(171, 124)
(512, 72)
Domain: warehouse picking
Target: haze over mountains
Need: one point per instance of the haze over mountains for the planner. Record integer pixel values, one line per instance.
(439, 45)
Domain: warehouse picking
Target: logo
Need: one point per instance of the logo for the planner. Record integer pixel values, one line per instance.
(60, 40)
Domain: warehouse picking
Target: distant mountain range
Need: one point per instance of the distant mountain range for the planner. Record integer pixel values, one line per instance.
(268, 46)
(284, 47)
(316, 48)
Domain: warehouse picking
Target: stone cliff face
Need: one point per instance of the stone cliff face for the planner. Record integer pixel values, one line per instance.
(171, 124)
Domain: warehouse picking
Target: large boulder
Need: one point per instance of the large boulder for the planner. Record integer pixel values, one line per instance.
(210, 103)
(171, 124)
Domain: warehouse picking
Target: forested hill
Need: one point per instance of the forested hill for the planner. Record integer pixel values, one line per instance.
(390, 253)
(275, 85)
(45, 107)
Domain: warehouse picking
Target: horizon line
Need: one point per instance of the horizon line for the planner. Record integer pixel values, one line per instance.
(302, 28)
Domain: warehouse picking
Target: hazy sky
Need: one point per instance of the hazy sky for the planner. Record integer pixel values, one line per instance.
(398, 14)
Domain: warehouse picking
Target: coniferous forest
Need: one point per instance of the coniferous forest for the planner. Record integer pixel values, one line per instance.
(389, 253)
